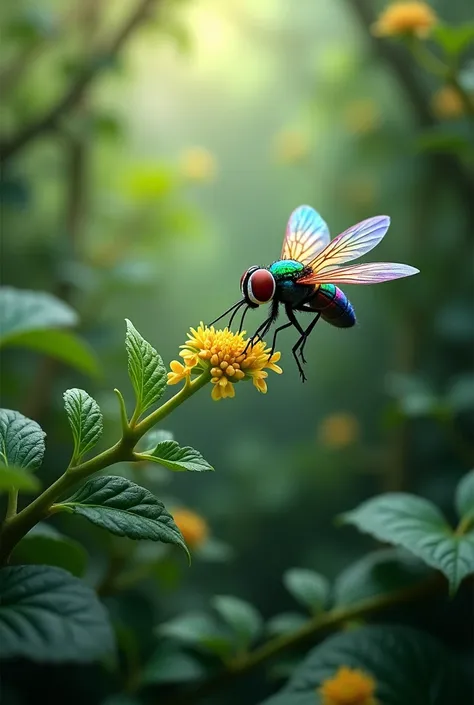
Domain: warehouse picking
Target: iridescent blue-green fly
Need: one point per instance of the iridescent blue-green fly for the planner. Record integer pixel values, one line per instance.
(305, 277)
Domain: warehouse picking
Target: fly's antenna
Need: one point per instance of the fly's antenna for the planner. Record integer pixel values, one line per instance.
(235, 306)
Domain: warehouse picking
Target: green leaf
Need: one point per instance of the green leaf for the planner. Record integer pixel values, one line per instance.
(17, 478)
(454, 40)
(85, 419)
(165, 666)
(408, 666)
(285, 623)
(61, 345)
(22, 311)
(199, 630)
(417, 525)
(47, 615)
(378, 573)
(45, 545)
(465, 496)
(21, 440)
(145, 368)
(307, 587)
(124, 509)
(240, 616)
(180, 459)
(441, 140)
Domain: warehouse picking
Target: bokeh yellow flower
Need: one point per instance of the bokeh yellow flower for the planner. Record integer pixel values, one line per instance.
(193, 527)
(349, 686)
(362, 116)
(291, 146)
(406, 18)
(360, 191)
(447, 104)
(198, 164)
(339, 430)
(228, 359)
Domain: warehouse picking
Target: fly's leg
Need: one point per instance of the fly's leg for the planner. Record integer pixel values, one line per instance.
(286, 325)
(304, 339)
(294, 321)
(259, 333)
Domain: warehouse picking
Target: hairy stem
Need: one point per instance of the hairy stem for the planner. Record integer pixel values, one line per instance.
(17, 526)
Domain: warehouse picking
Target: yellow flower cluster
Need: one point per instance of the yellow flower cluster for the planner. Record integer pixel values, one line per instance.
(349, 686)
(193, 527)
(228, 359)
(447, 104)
(409, 18)
(339, 430)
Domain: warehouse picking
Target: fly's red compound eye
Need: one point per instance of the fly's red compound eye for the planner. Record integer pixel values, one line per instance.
(245, 278)
(261, 286)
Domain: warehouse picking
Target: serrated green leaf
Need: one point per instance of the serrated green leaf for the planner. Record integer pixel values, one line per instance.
(307, 587)
(124, 509)
(22, 311)
(21, 440)
(417, 525)
(378, 573)
(85, 419)
(145, 368)
(18, 479)
(242, 617)
(45, 545)
(177, 458)
(408, 666)
(285, 623)
(199, 630)
(47, 615)
(61, 345)
(465, 496)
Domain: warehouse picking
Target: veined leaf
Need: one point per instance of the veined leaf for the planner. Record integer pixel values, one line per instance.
(47, 615)
(46, 546)
(85, 419)
(145, 368)
(417, 525)
(124, 509)
(62, 345)
(17, 478)
(465, 496)
(21, 440)
(308, 587)
(242, 617)
(177, 458)
(406, 665)
(22, 311)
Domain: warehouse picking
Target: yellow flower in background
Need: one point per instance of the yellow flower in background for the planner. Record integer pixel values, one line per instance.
(406, 18)
(193, 527)
(198, 164)
(360, 191)
(447, 103)
(291, 146)
(362, 116)
(349, 686)
(339, 430)
(225, 356)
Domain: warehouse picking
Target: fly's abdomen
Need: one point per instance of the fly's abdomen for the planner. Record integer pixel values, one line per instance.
(334, 306)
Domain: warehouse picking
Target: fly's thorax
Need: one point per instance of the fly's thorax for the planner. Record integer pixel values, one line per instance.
(287, 269)
(286, 273)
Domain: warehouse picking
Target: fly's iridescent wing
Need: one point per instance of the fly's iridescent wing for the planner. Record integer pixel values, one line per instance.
(306, 235)
(351, 244)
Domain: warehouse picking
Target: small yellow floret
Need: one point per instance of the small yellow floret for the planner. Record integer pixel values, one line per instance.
(406, 18)
(227, 358)
(349, 686)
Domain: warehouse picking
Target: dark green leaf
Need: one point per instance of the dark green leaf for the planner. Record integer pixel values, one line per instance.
(45, 545)
(285, 623)
(167, 666)
(439, 140)
(22, 311)
(240, 616)
(61, 345)
(85, 419)
(17, 478)
(180, 459)
(145, 368)
(198, 630)
(124, 509)
(307, 587)
(408, 666)
(417, 525)
(378, 573)
(21, 440)
(465, 496)
(48, 615)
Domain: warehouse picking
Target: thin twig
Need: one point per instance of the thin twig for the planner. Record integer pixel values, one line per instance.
(74, 93)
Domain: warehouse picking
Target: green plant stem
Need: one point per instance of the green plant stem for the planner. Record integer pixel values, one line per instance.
(12, 503)
(17, 526)
(309, 631)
